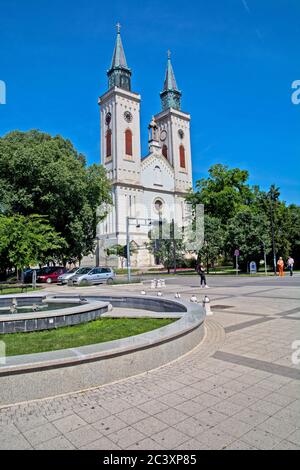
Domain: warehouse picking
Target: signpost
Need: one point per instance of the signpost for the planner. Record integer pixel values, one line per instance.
(237, 254)
(253, 269)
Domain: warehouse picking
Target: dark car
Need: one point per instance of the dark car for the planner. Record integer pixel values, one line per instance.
(50, 274)
(27, 275)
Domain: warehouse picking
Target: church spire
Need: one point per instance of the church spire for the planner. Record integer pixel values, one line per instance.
(119, 74)
(170, 96)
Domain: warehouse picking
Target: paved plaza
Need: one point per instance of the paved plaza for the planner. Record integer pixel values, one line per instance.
(239, 389)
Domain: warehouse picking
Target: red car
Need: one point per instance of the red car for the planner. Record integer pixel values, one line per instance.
(50, 274)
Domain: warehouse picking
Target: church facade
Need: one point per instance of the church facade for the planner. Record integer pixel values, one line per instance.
(145, 189)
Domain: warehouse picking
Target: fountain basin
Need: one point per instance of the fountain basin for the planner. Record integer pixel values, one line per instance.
(59, 312)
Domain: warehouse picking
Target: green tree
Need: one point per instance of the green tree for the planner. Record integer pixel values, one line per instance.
(214, 237)
(45, 175)
(294, 232)
(223, 193)
(121, 251)
(26, 241)
(249, 232)
(167, 245)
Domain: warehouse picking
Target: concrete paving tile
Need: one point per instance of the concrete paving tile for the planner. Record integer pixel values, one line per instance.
(234, 427)
(132, 415)
(83, 436)
(152, 407)
(172, 399)
(263, 440)
(41, 434)
(278, 427)
(294, 438)
(69, 423)
(251, 416)
(210, 417)
(108, 425)
(190, 407)
(126, 437)
(16, 442)
(171, 416)
(92, 415)
(192, 427)
(170, 438)
(240, 445)
(279, 399)
(265, 407)
(57, 443)
(286, 445)
(101, 444)
(145, 444)
(227, 408)
(150, 425)
(27, 423)
(215, 439)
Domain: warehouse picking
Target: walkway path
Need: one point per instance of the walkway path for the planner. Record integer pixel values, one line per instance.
(237, 390)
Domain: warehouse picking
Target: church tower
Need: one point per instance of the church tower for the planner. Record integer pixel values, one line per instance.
(174, 131)
(120, 145)
(120, 121)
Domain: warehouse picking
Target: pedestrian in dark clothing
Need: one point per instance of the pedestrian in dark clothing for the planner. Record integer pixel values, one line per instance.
(201, 272)
(290, 264)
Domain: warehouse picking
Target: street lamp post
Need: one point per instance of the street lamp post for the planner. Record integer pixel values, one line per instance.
(265, 256)
(138, 224)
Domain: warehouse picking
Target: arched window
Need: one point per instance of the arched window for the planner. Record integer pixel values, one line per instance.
(182, 156)
(165, 151)
(157, 176)
(128, 142)
(108, 143)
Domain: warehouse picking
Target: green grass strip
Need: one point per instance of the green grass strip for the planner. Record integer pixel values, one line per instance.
(98, 331)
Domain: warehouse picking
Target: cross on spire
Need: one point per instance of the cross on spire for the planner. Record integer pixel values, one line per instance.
(118, 27)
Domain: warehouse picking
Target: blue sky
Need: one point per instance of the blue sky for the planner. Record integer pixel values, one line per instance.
(234, 60)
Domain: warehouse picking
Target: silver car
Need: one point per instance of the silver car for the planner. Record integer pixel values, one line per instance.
(65, 278)
(94, 276)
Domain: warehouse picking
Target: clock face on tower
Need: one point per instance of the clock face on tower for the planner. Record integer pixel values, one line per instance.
(128, 116)
(163, 135)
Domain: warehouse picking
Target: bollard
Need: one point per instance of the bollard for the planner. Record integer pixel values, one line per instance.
(193, 299)
(143, 292)
(159, 294)
(206, 306)
(153, 284)
(177, 295)
(163, 283)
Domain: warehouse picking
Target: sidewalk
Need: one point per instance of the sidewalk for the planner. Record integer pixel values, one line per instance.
(237, 390)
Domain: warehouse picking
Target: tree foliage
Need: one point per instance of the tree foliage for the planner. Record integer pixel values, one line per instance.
(238, 216)
(45, 175)
(26, 241)
(167, 245)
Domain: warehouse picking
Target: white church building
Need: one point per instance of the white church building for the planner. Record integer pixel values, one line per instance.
(145, 189)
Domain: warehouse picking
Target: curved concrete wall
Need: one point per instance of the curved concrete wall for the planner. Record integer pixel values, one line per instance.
(57, 372)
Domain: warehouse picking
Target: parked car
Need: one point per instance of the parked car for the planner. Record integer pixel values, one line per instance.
(50, 274)
(27, 275)
(65, 278)
(94, 276)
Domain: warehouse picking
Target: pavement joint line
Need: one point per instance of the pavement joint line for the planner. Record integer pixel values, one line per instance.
(270, 367)
(247, 324)
(239, 313)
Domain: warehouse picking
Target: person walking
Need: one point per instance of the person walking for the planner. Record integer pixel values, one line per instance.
(201, 272)
(290, 264)
(280, 266)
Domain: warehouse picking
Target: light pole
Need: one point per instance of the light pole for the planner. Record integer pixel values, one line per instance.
(265, 256)
(137, 224)
(128, 249)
